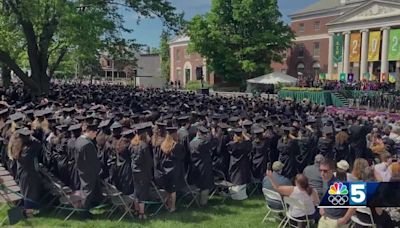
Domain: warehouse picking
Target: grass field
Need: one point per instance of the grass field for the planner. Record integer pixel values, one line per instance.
(248, 213)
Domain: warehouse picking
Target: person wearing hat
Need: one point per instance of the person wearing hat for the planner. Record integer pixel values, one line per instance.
(88, 166)
(288, 149)
(24, 151)
(326, 143)
(60, 154)
(272, 139)
(74, 182)
(168, 158)
(3, 131)
(40, 126)
(123, 176)
(142, 164)
(221, 155)
(201, 173)
(277, 167)
(341, 170)
(102, 138)
(259, 154)
(239, 166)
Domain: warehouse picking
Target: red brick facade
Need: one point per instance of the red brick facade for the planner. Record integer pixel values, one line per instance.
(311, 60)
(184, 64)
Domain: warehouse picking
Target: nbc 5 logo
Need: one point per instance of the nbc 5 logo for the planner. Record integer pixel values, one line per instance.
(358, 194)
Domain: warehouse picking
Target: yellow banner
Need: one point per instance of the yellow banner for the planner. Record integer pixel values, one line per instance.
(374, 46)
(355, 47)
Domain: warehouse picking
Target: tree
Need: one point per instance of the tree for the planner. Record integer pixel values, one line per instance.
(165, 56)
(38, 35)
(240, 37)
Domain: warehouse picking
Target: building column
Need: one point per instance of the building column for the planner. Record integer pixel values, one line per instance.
(346, 53)
(330, 56)
(112, 70)
(385, 54)
(364, 53)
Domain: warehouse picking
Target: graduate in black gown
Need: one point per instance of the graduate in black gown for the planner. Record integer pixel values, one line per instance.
(110, 151)
(74, 182)
(259, 154)
(123, 168)
(142, 165)
(168, 157)
(88, 166)
(25, 150)
(201, 173)
(101, 141)
(221, 157)
(288, 151)
(239, 165)
(272, 139)
(326, 143)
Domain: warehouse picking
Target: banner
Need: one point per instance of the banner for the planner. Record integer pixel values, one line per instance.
(350, 77)
(355, 47)
(367, 75)
(322, 76)
(337, 48)
(392, 77)
(343, 77)
(374, 46)
(394, 45)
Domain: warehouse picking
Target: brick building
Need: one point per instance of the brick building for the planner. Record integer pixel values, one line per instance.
(186, 66)
(355, 29)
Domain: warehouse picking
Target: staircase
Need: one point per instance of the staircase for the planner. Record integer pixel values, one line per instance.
(339, 100)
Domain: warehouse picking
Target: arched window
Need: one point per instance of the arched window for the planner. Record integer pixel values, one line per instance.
(300, 68)
(316, 69)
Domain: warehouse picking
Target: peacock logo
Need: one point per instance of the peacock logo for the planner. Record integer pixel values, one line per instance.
(338, 194)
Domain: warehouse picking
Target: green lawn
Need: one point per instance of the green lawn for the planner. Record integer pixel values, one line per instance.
(248, 213)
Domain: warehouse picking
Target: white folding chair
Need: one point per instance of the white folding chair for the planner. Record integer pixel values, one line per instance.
(291, 202)
(367, 211)
(273, 197)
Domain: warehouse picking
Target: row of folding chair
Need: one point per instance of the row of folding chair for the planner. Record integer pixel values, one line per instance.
(10, 196)
(277, 205)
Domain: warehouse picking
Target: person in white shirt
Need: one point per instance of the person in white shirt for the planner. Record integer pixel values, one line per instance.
(382, 170)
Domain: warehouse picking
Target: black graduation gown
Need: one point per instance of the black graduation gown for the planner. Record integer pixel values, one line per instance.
(201, 164)
(28, 175)
(288, 150)
(307, 147)
(88, 167)
(72, 170)
(259, 159)
(142, 165)
(183, 166)
(239, 165)
(272, 142)
(103, 155)
(342, 152)
(124, 175)
(221, 159)
(166, 168)
(62, 159)
(325, 147)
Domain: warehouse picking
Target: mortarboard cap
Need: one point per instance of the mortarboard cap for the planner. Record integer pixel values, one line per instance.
(104, 123)
(24, 131)
(75, 127)
(115, 125)
(202, 129)
(258, 130)
(128, 133)
(4, 111)
(238, 130)
(17, 116)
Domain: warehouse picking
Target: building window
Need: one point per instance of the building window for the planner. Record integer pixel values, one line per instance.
(178, 53)
(178, 73)
(316, 69)
(316, 50)
(317, 26)
(300, 50)
(301, 27)
(300, 69)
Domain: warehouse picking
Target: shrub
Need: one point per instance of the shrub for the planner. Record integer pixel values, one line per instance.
(195, 85)
(302, 89)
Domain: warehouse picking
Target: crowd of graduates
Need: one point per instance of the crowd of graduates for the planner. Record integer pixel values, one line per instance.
(90, 134)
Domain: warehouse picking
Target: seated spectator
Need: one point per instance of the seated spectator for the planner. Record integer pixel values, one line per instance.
(314, 176)
(341, 171)
(359, 165)
(303, 192)
(276, 173)
(395, 171)
(382, 170)
(377, 147)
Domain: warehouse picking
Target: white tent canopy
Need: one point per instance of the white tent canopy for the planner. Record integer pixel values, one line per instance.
(273, 78)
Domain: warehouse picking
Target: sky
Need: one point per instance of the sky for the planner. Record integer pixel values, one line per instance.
(148, 31)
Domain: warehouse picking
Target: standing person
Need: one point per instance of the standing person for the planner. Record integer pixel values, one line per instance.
(123, 169)
(25, 150)
(168, 157)
(259, 155)
(142, 165)
(342, 147)
(239, 166)
(201, 164)
(288, 150)
(88, 166)
(326, 143)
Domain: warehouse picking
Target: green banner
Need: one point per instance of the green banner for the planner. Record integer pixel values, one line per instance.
(322, 76)
(343, 77)
(367, 75)
(338, 48)
(394, 45)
